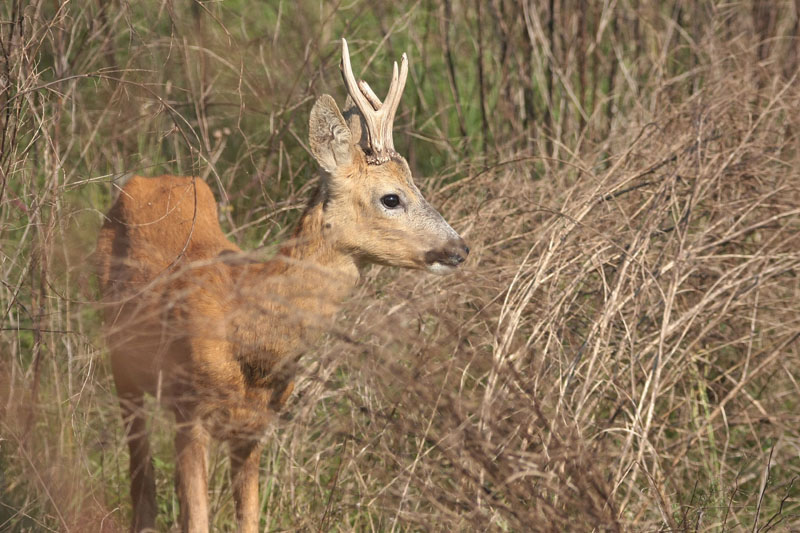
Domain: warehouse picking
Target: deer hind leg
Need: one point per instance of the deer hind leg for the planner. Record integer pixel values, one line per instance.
(143, 485)
(245, 455)
(191, 472)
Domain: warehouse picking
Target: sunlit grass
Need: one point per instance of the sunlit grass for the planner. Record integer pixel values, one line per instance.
(619, 353)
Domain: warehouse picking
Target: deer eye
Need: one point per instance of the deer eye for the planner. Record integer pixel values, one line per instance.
(390, 201)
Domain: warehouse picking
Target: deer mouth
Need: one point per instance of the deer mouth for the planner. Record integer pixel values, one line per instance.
(440, 268)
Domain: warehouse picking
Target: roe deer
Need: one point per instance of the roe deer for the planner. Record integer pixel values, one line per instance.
(215, 336)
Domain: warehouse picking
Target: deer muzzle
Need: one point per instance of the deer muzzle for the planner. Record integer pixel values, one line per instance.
(446, 259)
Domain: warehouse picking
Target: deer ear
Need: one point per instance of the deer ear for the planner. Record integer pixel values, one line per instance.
(328, 135)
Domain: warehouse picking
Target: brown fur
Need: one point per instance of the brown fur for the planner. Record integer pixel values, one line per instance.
(212, 336)
(216, 336)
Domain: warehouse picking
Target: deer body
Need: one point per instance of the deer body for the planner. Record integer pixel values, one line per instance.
(216, 336)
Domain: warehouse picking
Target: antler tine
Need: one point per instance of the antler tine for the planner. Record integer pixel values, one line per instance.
(377, 116)
(370, 94)
(360, 100)
(393, 99)
(350, 79)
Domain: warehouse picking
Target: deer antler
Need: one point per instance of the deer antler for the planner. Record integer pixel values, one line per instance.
(379, 117)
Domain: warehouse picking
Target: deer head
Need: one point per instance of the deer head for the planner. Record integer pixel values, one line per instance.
(373, 210)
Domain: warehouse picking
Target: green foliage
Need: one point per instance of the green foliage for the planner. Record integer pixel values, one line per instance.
(621, 352)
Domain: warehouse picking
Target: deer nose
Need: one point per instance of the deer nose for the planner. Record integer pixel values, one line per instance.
(452, 254)
(447, 258)
(460, 252)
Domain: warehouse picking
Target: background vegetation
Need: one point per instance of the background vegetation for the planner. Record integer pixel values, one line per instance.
(621, 351)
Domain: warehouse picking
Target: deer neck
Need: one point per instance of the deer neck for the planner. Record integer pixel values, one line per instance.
(301, 288)
(310, 259)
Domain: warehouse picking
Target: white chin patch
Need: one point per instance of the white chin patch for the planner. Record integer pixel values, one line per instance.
(440, 269)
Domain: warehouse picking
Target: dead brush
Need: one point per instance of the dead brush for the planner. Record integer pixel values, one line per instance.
(644, 336)
(621, 351)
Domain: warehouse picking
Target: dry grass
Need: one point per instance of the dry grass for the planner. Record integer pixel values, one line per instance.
(621, 351)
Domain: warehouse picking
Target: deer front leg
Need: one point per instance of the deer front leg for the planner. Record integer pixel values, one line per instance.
(245, 456)
(191, 471)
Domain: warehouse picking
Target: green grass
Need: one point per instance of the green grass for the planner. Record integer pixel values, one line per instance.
(619, 353)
